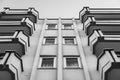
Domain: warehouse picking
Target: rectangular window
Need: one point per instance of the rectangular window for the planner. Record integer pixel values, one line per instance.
(69, 40)
(2, 55)
(51, 26)
(117, 53)
(47, 62)
(67, 26)
(72, 62)
(50, 40)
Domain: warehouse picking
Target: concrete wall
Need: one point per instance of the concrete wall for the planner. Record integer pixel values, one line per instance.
(67, 21)
(46, 74)
(70, 50)
(52, 21)
(68, 33)
(49, 50)
(51, 33)
(73, 74)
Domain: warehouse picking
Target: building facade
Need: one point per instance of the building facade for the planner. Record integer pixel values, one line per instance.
(84, 48)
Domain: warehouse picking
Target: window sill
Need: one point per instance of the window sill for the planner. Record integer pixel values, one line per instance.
(73, 68)
(47, 68)
(67, 29)
(51, 29)
(49, 44)
(69, 44)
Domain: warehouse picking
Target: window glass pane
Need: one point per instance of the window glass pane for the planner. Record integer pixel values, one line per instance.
(2, 55)
(72, 62)
(69, 40)
(51, 26)
(67, 26)
(117, 53)
(47, 62)
(50, 41)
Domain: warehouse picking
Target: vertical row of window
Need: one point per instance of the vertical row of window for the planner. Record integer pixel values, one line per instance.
(69, 62)
(50, 62)
(64, 26)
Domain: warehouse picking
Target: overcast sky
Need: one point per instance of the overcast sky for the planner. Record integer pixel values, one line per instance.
(59, 8)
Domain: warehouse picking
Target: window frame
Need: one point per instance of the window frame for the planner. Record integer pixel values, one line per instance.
(71, 26)
(47, 27)
(46, 37)
(72, 37)
(78, 60)
(40, 63)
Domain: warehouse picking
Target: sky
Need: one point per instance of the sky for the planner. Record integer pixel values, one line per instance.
(59, 8)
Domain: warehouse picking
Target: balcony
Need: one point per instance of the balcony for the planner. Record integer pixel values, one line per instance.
(108, 65)
(11, 66)
(99, 13)
(105, 25)
(24, 25)
(14, 41)
(100, 40)
(18, 14)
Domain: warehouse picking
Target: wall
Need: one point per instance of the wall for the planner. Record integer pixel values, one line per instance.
(46, 74)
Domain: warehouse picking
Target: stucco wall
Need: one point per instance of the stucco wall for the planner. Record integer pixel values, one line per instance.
(51, 33)
(49, 50)
(70, 50)
(73, 74)
(68, 33)
(46, 74)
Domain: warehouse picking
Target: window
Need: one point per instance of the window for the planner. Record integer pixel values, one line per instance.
(50, 40)
(47, 62)
(69, 40)
(72, 62)
(117, 53)
(51, 26)
(2, 55)
(67, 26)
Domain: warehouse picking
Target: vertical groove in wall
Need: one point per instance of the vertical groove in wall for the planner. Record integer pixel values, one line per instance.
(81, 52)
(59, 57)
(37, 55)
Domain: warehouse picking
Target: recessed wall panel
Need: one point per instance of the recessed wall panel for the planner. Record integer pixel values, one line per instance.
(70, 50)
(49, 50)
